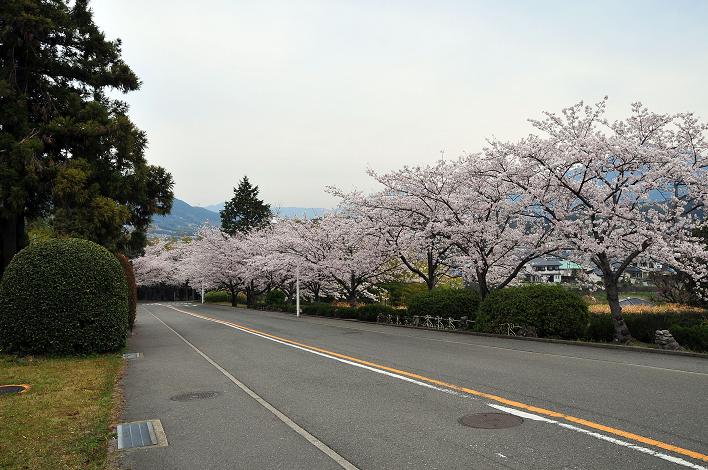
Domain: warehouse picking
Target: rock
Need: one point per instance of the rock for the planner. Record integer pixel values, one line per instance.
(665, 340)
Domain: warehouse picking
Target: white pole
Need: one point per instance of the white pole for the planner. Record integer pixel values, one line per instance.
(297, 291)
(202, 292)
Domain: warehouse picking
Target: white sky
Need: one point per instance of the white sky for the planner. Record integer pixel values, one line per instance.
(301, 94)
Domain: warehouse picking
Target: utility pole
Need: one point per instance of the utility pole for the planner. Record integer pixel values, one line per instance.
(202, 292)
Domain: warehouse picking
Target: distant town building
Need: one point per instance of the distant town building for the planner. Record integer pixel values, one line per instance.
(553, 269)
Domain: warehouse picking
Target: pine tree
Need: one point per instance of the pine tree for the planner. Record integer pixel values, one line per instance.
(69, 153)
(245, 211)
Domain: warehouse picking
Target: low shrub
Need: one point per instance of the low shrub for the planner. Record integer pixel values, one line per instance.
(400, 293)
(367, 312)
(692, 337)
(443, 302)
(63, 296)
(346, 312)
(552, 311)
(371, 312)
(600, 328)
(319, 309)
(215, 296)
(127, 266)
(687, 328)
(643, 326)
(275, 297)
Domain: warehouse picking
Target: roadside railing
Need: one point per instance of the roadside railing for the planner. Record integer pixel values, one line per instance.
(449, 323)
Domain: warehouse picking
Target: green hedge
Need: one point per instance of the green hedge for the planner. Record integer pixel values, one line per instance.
(371, 312)
(63, 296)
(275, 297)
(689, 329)
(365, 312)
(216, 296)
(692, 337)
(552, 311)
(132, 288)
(441, 302)
(319, 309)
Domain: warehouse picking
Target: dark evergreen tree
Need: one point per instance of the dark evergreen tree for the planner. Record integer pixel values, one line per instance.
(68, 152)
(245, 211)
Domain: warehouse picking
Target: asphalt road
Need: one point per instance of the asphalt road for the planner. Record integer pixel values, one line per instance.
(321, 393)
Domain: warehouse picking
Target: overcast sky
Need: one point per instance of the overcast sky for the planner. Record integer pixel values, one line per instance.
(299, 95)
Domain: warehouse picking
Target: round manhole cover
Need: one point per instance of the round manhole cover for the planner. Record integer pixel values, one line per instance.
(491, 420)
(190, 396)
(8, 389)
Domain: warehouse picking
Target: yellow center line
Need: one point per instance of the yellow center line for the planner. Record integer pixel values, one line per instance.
(469, 391)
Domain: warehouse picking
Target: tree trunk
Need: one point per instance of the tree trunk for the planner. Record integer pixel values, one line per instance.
(234, 298)
(482, 281)
(622, 334)
(250, 297)
(430, 279)
(351, 295)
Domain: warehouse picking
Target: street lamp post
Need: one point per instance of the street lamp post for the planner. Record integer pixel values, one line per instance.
(297, 291)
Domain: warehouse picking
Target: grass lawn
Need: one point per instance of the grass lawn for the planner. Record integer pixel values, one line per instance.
(63, 421)
(601, 296)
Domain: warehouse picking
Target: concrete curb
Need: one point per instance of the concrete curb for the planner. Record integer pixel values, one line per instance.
(588, 344)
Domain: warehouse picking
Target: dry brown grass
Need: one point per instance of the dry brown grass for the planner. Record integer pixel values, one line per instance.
(63, 421)
(662, 308)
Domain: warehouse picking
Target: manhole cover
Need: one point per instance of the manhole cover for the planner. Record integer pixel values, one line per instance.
(135, 355)
(189, 396)
(8, 389)
(491, 420)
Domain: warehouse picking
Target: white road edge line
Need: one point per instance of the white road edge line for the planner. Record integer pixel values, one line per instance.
(324, 448)
(534, 417)
(513, 411)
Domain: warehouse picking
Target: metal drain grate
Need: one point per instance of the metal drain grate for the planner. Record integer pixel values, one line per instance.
(190, 396)
(8, 389)
(491, 421)
(137, 434)
(132, 355)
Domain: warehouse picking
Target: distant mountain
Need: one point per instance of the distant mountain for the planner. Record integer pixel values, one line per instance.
(183, 220)
(284, 212)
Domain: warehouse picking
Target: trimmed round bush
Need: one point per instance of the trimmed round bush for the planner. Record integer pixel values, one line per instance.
(455, 303)
(132, 288)
(63, 296)
(552, 311)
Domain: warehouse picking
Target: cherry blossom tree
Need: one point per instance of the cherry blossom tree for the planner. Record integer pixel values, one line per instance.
(216, 259)
(161, 264)
(289, 251)
(406, 221)
(461, 213)
(616, 193)
(341, 250)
